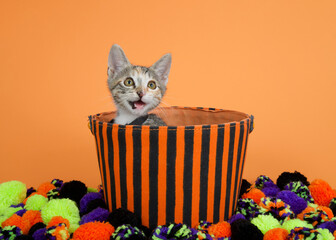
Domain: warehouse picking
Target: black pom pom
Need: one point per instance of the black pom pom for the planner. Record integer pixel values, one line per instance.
(242, 229)
(244, 187)
(332, 206)
(36, 227)
(122, 216)
(92, 205)
(73, 190)
(287, 177)
(23, 237)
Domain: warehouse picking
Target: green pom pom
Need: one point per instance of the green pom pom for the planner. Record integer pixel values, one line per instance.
(293, 223)
(65, 208)
(11, 193)
(92, 190)
(36, 202)
(7, 213)
(265, 223)
(324, 234)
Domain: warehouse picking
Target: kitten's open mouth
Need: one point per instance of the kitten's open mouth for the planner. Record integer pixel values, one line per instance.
(137, 104)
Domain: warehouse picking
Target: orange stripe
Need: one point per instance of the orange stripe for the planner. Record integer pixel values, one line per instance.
(224, 170)
(211, 175)
(234, 166)
(145, 175)
(129, 167)
(162, 178)
(179, 174)
(107, 166)
(116, 164)
(196, 175)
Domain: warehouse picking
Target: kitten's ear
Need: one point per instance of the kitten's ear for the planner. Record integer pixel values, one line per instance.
(117, 60)
(162, 68)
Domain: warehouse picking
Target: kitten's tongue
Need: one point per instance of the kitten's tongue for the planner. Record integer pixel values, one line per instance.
(139, 104)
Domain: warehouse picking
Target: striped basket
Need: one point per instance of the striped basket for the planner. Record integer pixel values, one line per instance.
(188, 171)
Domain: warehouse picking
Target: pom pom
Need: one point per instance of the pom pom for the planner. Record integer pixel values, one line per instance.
(17, 221)
(261, 180)
(321, 192)
(203, 226)
(30, 191)
(287, 177)
(11, 193)
(271, 191)
(127, 232)
(122, 216)
(236, 217)
(245, 186)
(248, 208)
(53, 194)
(57, 183)
(301, 190)
(325, 234)
(57, 220)
(8, 212)
(10, 232)
(243, 229)
(316, 217)
(99, 214)
(73, 190)
(303, 233)
(94, 230)
(276, 234)
(84, 202)
(59, 232)
(255, 194)
(296, 203)
(65, 208)
(265, 223)
(331, 226)
(289, 225)
(220, 230)
(31, 218)
(36, 227)
(172, 231)
(44, 188)
(332, 206)
(277, 208)
(40, 234)
(24, 237)
(36, 202)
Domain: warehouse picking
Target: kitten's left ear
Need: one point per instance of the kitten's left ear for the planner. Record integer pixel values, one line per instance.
(162, 68)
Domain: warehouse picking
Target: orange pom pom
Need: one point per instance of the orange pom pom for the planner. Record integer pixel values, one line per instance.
(34, 193)
(44, 188)
(307, 210)
(57, 220)
(94, 230)
(276, 234)
(221, 229)
(32, 217)
(327, 210)
(255, 194)
(61, 233)
(16, 220)
(321, 192)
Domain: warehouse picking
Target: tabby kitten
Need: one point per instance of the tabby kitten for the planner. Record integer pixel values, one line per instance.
(136, 90)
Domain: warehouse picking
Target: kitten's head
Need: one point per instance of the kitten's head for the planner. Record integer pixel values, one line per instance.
(136, 89)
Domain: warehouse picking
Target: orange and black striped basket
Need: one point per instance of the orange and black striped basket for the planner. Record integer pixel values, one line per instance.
(188, 171)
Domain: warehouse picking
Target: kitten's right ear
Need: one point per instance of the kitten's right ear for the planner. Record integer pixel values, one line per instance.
(117, 60)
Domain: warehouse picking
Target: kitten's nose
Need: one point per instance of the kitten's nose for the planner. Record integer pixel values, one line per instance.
(140, 94)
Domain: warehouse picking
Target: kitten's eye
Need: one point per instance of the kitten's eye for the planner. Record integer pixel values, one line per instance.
(129, 82)
(151, 85)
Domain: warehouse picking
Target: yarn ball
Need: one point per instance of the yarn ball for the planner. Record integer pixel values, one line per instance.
(303, 233)
(36, 202)
(293, 223)
(172, 231)
(296, 203)
(203, 226)
(325, 234)
(265, 223)
(270, 191)
(73, 190)
(59, 232)
(245, 186)
(332, 206)
(44, 188)
(40, 234)
(53, 194)
(261, 180)
(30, 191)
(243, 229)
(17, 221)
(87, 199)
(65, 208)
(276, 234)
(276, 208)
(301, 190)
(8, 212)
(11, 193)
(287, 177)
(236, 217)
(99, 214)
(127, 232)
(316, 217)
(122, 216)
(57, 220)
(10, 232)
(57, 182)
(36, 227)
(24, 237)
(221, 229)
(255, 194)
(248, 208)
(321, 192)
(94, 230)
(331, 226)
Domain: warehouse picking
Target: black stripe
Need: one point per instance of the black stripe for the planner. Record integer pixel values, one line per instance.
(204, 172)
(229, 171)
(171, 163)
(111, 166)
(218, 172)
(122, 167)
(153, 176)
(187, 174)
(137, 170)
(246, 138)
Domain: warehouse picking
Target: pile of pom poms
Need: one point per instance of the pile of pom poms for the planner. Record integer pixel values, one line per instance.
(290, 208)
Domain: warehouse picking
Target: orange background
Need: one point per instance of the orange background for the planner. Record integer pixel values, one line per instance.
(273, 59)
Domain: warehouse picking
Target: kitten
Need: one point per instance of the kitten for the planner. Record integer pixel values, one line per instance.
(136, 90)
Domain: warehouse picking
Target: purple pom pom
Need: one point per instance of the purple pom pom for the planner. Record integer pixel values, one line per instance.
(271, 191)
(331, 226)
(99, 214)
(86, 199)
(236, 217)
(40, 234)
(296, 203)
